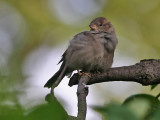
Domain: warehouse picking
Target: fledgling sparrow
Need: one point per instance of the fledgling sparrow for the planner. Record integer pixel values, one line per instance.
(88, 51)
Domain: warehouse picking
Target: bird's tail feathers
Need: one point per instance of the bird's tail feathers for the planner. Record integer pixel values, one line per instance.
(57, 77)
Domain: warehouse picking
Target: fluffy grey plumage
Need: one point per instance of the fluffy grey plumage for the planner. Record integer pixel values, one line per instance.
(88, 51)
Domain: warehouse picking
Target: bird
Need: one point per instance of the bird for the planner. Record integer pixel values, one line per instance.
(88, 51)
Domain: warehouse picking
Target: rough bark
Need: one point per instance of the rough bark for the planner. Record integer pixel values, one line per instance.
(82, 92)
(146, 72)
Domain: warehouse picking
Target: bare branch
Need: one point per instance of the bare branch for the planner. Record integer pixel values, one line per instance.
(82, 93)
(147, 72)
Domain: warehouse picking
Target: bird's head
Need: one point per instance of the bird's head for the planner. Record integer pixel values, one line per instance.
(101, 24)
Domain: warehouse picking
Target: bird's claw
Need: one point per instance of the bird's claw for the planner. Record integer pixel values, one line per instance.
(88, 74)
(83, 73)
(80, 73)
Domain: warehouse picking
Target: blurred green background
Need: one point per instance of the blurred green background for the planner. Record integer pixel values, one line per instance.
(34, 34)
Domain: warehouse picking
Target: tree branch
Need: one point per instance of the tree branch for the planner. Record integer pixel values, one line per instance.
(147, 72)
(82, 92)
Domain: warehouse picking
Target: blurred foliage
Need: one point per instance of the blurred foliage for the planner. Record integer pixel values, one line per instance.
(26, 25)
(51, 111)
(136, 107)
(153, 86)
(116, 112)
(156, 115)
(142, 105)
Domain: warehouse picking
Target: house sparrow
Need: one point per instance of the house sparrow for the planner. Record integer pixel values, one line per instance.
(88, 51)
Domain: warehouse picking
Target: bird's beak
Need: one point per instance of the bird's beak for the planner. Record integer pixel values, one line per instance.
(93, 27)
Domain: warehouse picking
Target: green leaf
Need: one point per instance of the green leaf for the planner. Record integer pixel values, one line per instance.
(9, 112)
(157, 96)
(116, 112)
(156, 115)
(142, 105)
(153, 86)
(51, 111)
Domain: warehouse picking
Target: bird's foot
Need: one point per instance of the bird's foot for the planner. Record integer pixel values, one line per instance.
(88, 74)
(80, 73)
(83, 73)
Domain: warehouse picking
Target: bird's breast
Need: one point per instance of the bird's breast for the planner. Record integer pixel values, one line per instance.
(89, 54)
